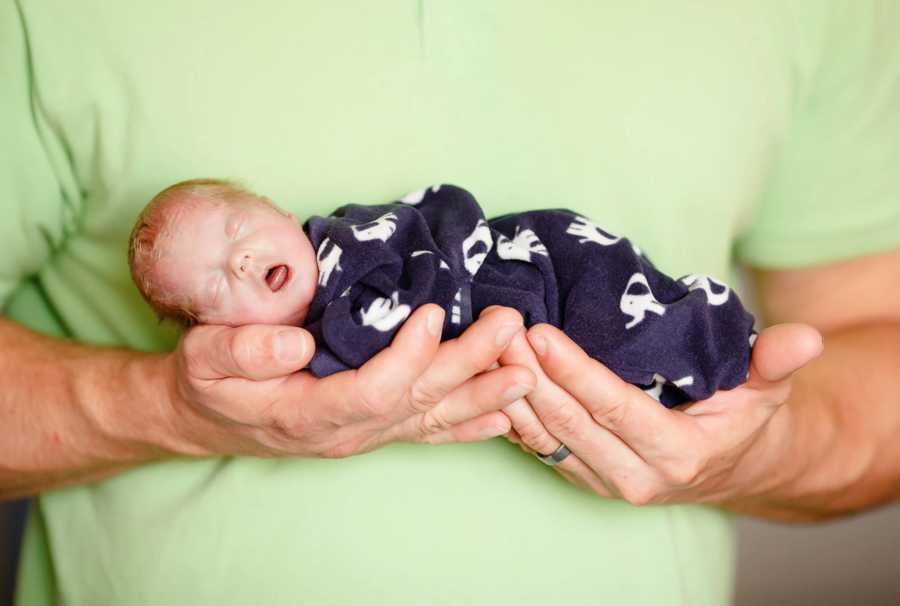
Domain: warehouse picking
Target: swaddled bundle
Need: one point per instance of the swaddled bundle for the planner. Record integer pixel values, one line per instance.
(679, 340)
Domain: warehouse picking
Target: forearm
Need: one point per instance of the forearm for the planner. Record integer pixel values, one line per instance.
(73, 413)
(834, 448)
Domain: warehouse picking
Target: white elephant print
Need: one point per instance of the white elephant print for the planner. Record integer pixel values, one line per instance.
(523, 244)
(694, 282)
(328, 259)
(384, 314)
(474, 260)
(381, 228)
(589, 232)
(417, 196)
(637, 300)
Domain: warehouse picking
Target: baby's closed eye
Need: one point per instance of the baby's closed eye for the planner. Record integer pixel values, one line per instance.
(234, 226)
(216, 289)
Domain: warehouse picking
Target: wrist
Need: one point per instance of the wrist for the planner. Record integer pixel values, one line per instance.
(768, 471)
(796, 476)
(772, 463)
(128, 401)
(172, 424)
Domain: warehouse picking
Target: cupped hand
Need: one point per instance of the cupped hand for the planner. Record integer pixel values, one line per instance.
(624, 444)
(242, 391)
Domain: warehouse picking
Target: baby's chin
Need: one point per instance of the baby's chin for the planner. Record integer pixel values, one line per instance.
(293, 316)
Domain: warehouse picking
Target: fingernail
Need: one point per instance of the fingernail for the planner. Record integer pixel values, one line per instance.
(515, 392)
(289, 346)
(435, 322)
(538, 343)
(505, 334)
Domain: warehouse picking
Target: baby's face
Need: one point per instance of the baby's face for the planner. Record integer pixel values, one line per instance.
(244, 263)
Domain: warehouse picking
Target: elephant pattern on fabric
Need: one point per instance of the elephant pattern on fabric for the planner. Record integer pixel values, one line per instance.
(385, 313)
(637, 300)
(381, 228)
(521, 246)
(706, 283)
(678, 340)
(476, 246)
(587, 231)
(328, 258)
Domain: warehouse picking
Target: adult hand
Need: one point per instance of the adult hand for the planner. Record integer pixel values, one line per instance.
(626, 445)
(238, 390)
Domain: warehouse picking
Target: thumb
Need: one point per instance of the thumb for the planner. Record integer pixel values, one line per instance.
(257, 351)
(782, 350)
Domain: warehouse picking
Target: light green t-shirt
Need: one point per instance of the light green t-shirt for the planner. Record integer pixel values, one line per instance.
(706, 132)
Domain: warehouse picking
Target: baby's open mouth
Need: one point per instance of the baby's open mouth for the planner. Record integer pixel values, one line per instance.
(277, 277)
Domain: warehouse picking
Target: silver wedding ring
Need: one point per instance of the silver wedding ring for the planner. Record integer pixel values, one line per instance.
(556, 457)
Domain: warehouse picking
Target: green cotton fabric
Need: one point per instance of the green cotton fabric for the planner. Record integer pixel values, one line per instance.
(708, 133)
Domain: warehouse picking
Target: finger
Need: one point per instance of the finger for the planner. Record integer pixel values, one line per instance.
(492, 309)
(529, 433)
(616, 405)
(529, 429)
(483, 394)
(389, 376)
(780, 351)
(485, 427)
(562, 419)
(457, 360)
(513, 436)
(257, 352)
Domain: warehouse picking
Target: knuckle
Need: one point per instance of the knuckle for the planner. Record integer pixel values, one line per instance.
(424, 395)
(639, 493)
(533, 435)
(489, 310)
(686, 471)
(289, 427)
(613, 414)
(688, 474)
(246, 350)
(520, 375)
(373, 397)
(375, 403)
(564, 420)
(431, 423)
(508, 315)
(283, 428)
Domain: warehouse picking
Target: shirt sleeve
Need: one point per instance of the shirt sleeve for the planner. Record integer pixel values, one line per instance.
(835, 189)
(31, 196)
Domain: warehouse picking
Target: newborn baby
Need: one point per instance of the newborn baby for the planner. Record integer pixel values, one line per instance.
(210, 252)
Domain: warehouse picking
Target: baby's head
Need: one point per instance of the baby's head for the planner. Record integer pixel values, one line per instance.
(210, 252)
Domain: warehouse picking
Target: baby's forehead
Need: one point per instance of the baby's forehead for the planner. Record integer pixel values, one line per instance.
(196, 207)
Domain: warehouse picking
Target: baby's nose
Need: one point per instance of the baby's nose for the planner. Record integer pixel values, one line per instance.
(242, 264)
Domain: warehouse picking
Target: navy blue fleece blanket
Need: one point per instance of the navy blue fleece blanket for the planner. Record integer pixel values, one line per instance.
(678, 339)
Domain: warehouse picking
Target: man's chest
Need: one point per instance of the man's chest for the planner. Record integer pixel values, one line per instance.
(658, 121)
